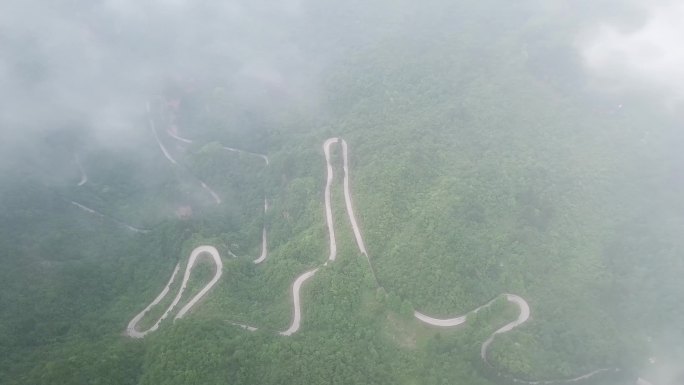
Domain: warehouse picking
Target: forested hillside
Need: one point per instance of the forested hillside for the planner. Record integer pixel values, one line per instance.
(482, 161)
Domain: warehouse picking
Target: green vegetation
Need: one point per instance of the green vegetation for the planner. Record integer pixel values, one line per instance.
(476, 170)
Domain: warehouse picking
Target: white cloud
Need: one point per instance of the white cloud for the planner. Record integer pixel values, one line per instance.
(93, 64)
(651, 54)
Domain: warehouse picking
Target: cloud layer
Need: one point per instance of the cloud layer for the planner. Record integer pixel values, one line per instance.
(648, 55)
(92, 64)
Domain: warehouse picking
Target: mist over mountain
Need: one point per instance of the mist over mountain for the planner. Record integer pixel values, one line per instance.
(87, 69)
(642, 53)
(392, 192)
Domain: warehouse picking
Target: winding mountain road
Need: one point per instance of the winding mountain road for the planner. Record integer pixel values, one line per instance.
(131, 329)
(189, 141)
(449, 322)
(153, 127)
(523, 316)
(84, 176)
(168, 156)
(521, 303)
(99, 214)
(264, 234)
(299, 281)
(264, 239)
(262, 156)
(297, 306)
(184, 140)
(328, 208)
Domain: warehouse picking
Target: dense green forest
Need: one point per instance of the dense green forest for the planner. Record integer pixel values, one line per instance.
(481, 160)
